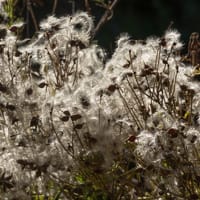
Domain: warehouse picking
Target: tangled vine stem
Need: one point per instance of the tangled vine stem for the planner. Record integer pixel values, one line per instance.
(54, 6)
(30, 9)
(87, 6)
(107, 16)
(126, 127)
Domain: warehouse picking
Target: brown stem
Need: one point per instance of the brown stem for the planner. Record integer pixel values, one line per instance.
(55, 3)
(56, 134)
(29, 7)
(105, 17)
(132, 112)
(87, 6)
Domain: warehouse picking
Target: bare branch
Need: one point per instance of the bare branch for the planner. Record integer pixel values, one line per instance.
(55, 3)
(87, 6)
(106, 17)
(29, 8)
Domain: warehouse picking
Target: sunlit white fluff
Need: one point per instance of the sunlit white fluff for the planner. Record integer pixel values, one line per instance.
(172, 38)
(147, 146)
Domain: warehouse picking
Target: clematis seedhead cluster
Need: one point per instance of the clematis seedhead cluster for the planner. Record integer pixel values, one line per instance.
(71, 118)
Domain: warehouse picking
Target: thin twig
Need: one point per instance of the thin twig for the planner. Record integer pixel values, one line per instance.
(56, 134)
(73, 6)
(29, 7)
(55, 3)
(87, 7)
(132, 112)
(105, 17)
(27, 22)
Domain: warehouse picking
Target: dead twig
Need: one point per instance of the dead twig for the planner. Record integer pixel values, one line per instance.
(30, 9)
(87, 7)
(106, 17)
(55, 3)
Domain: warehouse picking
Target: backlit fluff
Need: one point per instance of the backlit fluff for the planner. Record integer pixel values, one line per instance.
(65, 106)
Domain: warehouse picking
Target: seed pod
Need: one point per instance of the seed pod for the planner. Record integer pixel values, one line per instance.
(165, 62)
(77, 43)
(183, 87)
(131, 138)
(173, 133)
(2, 106)
(10, 107)
(29, 91)
(78, 126)
(66, 112)
(84, 101)
(14, 120)
(163, 42)
(166, 82)
(75, 117)
(127, 65)
(34, 121)
(191, 92)
(193, 139)
(35, 66)
(64, 118)
(42, 85)
(3, 88)
(112, 88)
(3, 32)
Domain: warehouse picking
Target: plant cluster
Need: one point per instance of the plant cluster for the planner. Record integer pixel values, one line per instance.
(75, 124)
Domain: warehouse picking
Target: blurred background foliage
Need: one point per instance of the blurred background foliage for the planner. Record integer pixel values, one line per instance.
(140, 18)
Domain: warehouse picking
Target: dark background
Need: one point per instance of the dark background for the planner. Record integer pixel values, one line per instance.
(140, 18)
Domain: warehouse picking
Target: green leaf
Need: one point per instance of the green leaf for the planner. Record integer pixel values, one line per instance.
(79, 179)
(186, 115)
(57, 195)
(38, 197)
